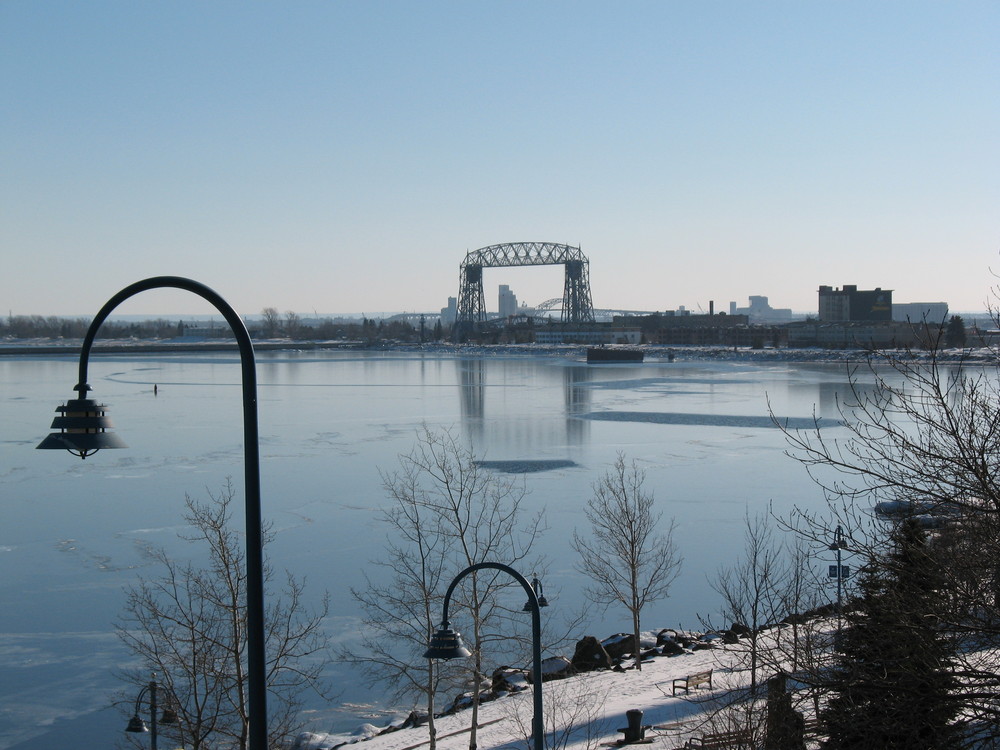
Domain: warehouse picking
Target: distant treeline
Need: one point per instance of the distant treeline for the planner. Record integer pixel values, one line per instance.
(39, 326)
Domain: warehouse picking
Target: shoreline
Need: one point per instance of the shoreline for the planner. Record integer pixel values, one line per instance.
(659, 354)
(160, 347)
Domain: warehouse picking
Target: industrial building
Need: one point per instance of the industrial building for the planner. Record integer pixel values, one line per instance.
(920, 312)
(853, 305)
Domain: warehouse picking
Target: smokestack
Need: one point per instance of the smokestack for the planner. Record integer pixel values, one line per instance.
(711, 307)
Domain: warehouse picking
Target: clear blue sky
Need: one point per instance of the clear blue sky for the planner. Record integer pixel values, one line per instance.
(344, 156)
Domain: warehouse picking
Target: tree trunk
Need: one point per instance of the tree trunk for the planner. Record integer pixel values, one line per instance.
(431, 727)
(635, 635)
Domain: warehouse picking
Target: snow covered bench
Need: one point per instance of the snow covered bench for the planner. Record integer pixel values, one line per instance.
(692, 680)
(741, 739)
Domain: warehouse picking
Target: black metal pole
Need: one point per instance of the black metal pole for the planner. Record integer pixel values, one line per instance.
(152, 715)
(840, 577)
(838, 545)
(537, 725)
(256, 663)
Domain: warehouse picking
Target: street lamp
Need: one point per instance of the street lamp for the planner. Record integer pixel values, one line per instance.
(447, 643)
(137, 725)
(83, 426)
(840, 572)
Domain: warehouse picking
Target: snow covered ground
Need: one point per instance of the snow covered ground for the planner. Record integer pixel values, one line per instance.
(583, 711)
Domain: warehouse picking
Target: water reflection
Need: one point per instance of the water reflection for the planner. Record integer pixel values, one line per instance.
(577, 391)
(472, 396)
(501, 408)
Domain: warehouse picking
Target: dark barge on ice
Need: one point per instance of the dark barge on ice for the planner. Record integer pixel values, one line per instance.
(613, 354)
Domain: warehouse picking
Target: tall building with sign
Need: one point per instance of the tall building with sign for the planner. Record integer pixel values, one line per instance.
(851, 304)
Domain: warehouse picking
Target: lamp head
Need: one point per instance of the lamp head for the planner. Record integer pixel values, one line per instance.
(83, 427)
(536, 586)
(542, 602)
(169, 716)
(136, 725)
(446, 644)
(838, 540)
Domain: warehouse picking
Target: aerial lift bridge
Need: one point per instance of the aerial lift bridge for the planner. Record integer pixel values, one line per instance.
(577, 307)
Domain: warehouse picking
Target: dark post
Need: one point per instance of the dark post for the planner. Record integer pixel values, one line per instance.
(256, 663)
(785, 728)
(152, 715)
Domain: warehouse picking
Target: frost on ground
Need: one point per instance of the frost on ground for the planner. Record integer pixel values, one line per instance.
(588, 710)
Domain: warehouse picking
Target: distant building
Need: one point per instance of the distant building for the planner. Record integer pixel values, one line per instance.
(760, 311)
(920, 312)
(853, 305)
(582, 335)
(449, 313)
(858, 335)
(508, 302)
(681, 328)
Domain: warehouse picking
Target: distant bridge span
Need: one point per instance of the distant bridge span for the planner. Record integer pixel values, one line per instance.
(577, 305)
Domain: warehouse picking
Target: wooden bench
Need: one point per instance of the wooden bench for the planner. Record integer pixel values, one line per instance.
(692, 681)
(813, 726)
(738, 740)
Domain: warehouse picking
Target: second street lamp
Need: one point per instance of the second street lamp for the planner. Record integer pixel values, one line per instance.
(138, 726)
(83, 430)
(447, 643)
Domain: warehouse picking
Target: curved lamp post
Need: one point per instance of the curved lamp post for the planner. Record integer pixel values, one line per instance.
(137, 725)
(83, 425)
(447, 643)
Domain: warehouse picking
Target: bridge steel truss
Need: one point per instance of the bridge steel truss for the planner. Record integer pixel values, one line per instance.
(577, 305)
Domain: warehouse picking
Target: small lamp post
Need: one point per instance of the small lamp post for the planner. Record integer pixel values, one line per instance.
(83, 430)
(839, 571)
(447, 643)
(137, 725)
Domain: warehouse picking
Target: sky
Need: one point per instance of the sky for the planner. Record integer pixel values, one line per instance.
(345, 156)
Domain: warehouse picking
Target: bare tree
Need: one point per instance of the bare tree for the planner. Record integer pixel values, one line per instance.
(188, 626)
(400, 615)
(752, 589)
(628, 558)
(272, 321)
(574, 715)
(293, 324)
(919, 435)
(448, 512)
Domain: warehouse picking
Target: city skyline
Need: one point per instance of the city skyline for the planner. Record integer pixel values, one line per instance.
(346, 156)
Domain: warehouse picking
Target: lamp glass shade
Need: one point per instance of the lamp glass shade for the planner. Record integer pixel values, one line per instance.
(136, 725)
(446, 644)
(542, 602)
(83, 427)
(169, 716)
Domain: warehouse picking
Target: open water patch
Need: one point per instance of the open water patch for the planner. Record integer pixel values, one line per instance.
(708, 420)
(527, 465)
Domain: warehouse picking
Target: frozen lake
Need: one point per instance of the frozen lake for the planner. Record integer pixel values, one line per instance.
(72, 530)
